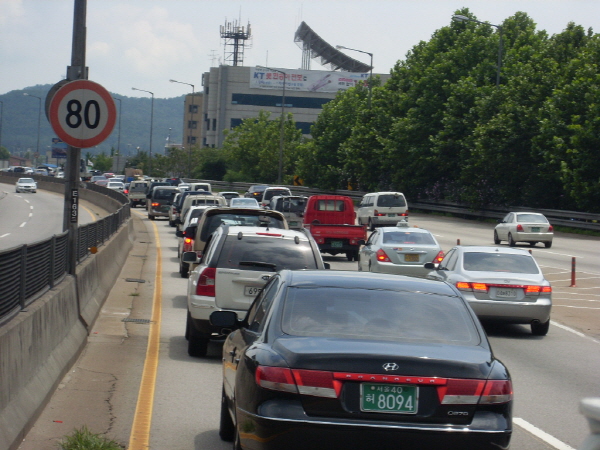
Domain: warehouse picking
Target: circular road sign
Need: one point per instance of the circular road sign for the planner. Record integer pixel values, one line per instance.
(82, 113)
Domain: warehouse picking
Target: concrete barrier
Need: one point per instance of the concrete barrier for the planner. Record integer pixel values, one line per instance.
(38, 346)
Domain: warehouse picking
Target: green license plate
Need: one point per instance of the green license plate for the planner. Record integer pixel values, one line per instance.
(293, 224)
(389, 398)
(535, 229)
(337, 244)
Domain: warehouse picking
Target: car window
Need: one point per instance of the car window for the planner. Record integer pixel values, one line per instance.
(266, 254)
(291, 204)
(531, 218)
(270, 193)
(252, 220)
(330, 205)
(373, 237)
(449, 261)
(378, 315)
(391, 200)
(407, 237)
(499, 262)
(259, 309)
(164, 194)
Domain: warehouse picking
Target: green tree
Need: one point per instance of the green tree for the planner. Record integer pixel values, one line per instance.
(102, 162)
(4, 153)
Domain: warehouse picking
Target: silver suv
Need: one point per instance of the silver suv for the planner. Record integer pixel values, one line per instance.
(237, 263)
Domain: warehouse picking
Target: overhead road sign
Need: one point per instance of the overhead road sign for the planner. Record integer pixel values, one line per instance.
(82, 113)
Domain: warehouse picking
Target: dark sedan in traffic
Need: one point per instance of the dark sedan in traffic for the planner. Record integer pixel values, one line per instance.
(335, 359)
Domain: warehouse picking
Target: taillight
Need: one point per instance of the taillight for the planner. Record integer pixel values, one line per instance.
(519, 227)
(472, 392)
(206, 282)
(382, 256)
(154, 204)
(404, 214)
(550, 228)
(377, 213)
(463, 285)
(537, 290)
(438, 258)
(187, 241)
(484, 287)
(307, 382)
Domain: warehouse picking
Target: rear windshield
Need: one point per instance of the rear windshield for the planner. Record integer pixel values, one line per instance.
(377, 315)
(330, 205)
(274, 192)
(499, 262)
(248, 220)
(407, 237)
(264, 254)
(531, 218)
(391, 200)
(138, 187)
(204, 201)
(291, 205)
(164, 194)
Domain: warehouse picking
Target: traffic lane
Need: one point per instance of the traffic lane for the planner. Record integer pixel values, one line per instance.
(551, 374)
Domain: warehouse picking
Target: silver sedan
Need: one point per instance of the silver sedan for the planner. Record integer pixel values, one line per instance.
(26, 185)
(524, 227)
(400, 250)
(500, 284)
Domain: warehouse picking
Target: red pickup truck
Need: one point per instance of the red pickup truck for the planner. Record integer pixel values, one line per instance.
(331, 221)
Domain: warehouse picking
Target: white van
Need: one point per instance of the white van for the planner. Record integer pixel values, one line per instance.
(381, 209)
(200, 187)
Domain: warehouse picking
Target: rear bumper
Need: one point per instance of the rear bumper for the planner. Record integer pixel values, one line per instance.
(512, 312)
(416, 270)
(277, 428)
(533, 237)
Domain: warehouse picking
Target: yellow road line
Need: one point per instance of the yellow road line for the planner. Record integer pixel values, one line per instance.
(140, 430)
(90, 212)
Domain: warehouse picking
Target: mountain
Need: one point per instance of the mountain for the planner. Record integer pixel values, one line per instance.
(19, 126)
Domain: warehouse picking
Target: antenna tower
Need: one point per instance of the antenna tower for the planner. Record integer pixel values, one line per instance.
(234, 38)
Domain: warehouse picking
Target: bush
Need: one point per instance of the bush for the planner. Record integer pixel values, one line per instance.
(84, 439)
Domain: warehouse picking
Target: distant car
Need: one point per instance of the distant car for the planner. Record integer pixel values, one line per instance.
(184, 186)
(102, 182)
(229, 195)
(95, 178)
(116, 185)
(400, 250)
(236, 265)
(501, 284)
(26, 185)
(381, 209)
(292, 207)
(524, 227)
(160, 201)
(273, 191)
(347, 360)
(244, 203)
(256, 191)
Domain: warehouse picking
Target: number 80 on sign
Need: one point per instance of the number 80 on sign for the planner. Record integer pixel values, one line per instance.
(82, 113)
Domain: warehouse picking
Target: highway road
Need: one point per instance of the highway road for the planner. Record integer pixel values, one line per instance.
(550, 374)
(26, 218)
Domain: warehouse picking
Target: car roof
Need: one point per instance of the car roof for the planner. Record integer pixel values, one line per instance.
(492, 249)
(366, 280)
(264, 232)
(228, 210)
(405, 229)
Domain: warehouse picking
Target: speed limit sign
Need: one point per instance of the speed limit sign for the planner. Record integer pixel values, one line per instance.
(82, 113)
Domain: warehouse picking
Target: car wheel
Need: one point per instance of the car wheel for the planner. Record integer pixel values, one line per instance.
(496, 239)
(171, 223)
(511, 243)
(359, 266)
(184, 270)
(371, 226)
(548, 244)
(151, 217)
(226, 426)
(370, 266)
(539, 328)
(197, 343)
(350, 256)
(188, 326)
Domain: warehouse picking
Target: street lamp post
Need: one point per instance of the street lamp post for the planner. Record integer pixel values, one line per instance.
(371, 72)
(460, 18)
(39, 118)
(119, 135)
(281, 129)
(151, 126)
(191, 135)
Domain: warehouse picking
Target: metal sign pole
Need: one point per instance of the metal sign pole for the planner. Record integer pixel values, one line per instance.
(76, 71)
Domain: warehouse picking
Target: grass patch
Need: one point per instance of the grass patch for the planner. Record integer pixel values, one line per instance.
(84, 439)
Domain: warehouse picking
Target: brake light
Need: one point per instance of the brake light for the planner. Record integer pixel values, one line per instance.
(125, 191)
(155, 204)
(404, 214)
(463, 285)
(206, 282)
(536, 290)
(187, 241)
(519, 227)
(438, 258)
(472, 392)
(550, 228)
(377, 213)
(297, 381)
(484, 287)
(382, 256)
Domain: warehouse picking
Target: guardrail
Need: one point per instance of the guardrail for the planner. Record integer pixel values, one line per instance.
(28, 271)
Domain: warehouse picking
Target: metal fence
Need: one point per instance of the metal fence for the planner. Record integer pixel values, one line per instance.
(28, 271)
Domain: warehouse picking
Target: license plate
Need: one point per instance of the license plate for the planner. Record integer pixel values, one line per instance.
(535, 229)
(506, 293)
(391, 215)
(388, 398)
(337, 244)
(252, 291)
(411, 257)
(293, 224)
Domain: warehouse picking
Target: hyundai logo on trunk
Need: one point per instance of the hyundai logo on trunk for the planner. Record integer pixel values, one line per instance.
(390, 366)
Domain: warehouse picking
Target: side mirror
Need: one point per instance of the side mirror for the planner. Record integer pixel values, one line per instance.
(430, 266)
(190, 257)
(224, 319)
(361, 242)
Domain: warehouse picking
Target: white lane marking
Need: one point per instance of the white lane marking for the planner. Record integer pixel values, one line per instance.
(549, 439)
(576, 307)
(4, 235)
(565, 254)
(575, 332)
(23, 224)
(30, 214)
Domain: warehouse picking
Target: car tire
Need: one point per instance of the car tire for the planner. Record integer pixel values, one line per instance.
(151, 217)
(171, 223)
(197, 343)
(496, 239)
(237, 445)
(511, 242)
(548, 244)
(188, 325)
(539, 328)
(359, 266)
(226, 425)
(371, 226)
(351, 255)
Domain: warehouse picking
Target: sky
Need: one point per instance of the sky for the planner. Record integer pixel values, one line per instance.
(145, 43)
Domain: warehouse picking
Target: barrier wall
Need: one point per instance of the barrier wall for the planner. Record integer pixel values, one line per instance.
(38, 346)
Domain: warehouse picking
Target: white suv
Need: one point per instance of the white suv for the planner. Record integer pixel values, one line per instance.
(237, 263)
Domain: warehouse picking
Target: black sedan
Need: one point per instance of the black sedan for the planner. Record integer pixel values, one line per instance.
(334, 359)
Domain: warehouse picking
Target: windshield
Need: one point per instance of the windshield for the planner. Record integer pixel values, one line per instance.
(26, 180)
(377, 314)
(248, 220)
(499, 262)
